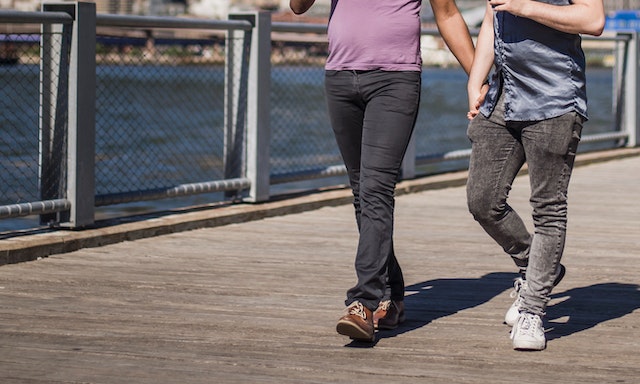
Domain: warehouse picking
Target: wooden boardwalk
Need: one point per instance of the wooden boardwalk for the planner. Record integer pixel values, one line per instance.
(257, 302)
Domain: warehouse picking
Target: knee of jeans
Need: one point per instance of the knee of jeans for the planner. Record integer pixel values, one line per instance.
(484, 210)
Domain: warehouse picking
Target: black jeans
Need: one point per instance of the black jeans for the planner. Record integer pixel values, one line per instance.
(373, 114)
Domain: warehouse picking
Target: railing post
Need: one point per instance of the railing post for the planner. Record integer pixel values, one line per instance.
(81, 88)
(632, 94)
(258, 106)
(54, 65)
(237, 50)
(82, 117)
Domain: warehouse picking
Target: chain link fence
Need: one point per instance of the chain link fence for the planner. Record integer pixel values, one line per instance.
(162, 118)
(301, 135)
(160, 112)
(23, 146)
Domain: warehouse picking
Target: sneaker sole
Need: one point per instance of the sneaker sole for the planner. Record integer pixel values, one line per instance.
(351, 330)
(528, 346)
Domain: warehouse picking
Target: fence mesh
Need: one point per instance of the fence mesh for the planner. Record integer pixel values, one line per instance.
(301, 135)
(21, 71)
(160, 113)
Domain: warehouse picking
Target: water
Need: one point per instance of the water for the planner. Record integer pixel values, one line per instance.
(178, 112)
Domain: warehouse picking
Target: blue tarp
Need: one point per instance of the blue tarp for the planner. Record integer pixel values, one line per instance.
(623, 20)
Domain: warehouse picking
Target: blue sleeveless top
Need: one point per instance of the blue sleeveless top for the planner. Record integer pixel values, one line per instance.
(540, 70)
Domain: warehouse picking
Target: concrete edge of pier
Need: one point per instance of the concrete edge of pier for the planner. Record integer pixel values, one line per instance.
(31, 245)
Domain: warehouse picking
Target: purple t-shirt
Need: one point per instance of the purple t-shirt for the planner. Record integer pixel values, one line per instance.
(375, 34)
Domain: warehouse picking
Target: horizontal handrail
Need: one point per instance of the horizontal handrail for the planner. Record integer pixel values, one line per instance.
(315, 173)
(130, 21)
(176, 191)
(34, 208)
(618, 37)
(22, 17)
(608, 136)
(299, 27)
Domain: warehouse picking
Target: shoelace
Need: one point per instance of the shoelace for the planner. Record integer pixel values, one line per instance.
(529, 324)
(518, 285)
(357, 309)
(384, 305)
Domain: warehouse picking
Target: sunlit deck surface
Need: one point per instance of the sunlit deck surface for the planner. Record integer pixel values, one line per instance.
(257, 301)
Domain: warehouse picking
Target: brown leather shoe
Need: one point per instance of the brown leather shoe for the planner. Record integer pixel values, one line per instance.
(357, 323)
(388, 315)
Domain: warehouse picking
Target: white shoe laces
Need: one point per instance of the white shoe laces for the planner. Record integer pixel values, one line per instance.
(518, 285)
(356, 308)
(384, 305)
(529, 324)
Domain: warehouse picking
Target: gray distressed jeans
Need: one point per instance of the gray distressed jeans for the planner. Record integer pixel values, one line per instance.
(499, 150)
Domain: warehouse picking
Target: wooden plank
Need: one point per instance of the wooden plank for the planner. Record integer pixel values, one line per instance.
(256, 302)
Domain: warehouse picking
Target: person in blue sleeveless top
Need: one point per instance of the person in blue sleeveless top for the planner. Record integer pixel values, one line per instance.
(533, 113)
(373, 86)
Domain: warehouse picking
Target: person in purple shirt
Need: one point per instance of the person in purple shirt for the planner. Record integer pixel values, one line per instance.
(373, 85)
(533, 112)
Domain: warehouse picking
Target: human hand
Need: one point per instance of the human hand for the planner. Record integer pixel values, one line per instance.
(515, 7)
(300, 6)
(474, 106)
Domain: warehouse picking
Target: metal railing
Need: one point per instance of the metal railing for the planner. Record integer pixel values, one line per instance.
(133, 109)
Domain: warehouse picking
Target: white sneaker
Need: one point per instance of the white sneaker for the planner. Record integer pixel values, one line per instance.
(513, 312)
(528, 333)
(519, 286)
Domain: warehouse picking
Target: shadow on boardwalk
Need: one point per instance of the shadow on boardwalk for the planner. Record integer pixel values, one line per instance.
(434, 299)
(586, 307)
(575, 310)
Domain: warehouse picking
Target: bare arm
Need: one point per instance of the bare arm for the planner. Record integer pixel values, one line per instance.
(581, 16)
(482, 63)
(454, 31)
(300, 6)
